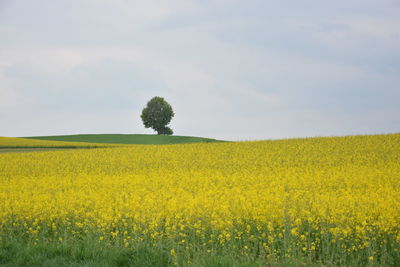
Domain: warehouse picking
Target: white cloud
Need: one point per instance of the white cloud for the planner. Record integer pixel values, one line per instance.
(230, 69)
(357, 31)
(10, 98)
(148, 10)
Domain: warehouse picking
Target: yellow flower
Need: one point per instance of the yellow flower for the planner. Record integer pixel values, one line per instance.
(172, 252)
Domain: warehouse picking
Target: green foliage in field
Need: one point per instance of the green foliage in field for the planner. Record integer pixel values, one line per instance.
(17, 249)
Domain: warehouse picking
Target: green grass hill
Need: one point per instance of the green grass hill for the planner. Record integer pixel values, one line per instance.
(126, 139)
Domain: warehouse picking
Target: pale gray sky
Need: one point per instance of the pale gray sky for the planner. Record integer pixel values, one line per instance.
(235, 70)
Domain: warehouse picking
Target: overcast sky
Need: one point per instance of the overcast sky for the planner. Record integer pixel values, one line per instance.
(231, 69)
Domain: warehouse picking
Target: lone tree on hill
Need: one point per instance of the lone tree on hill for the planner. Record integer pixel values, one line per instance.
(157, 114)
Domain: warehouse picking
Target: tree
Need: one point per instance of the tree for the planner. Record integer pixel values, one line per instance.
(157, 114)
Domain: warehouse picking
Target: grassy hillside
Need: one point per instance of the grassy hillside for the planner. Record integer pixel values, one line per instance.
(126, 139)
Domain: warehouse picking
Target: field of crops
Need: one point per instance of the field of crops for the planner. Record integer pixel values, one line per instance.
(13, 142)
(330, 201)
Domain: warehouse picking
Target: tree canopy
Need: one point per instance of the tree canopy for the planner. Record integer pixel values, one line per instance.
(157, 115)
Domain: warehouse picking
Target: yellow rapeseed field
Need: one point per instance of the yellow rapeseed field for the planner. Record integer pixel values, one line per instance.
(14, 142)
(313, 192)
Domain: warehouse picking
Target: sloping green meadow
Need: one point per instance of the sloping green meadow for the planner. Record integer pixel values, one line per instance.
(46, 143)
(127, 139)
